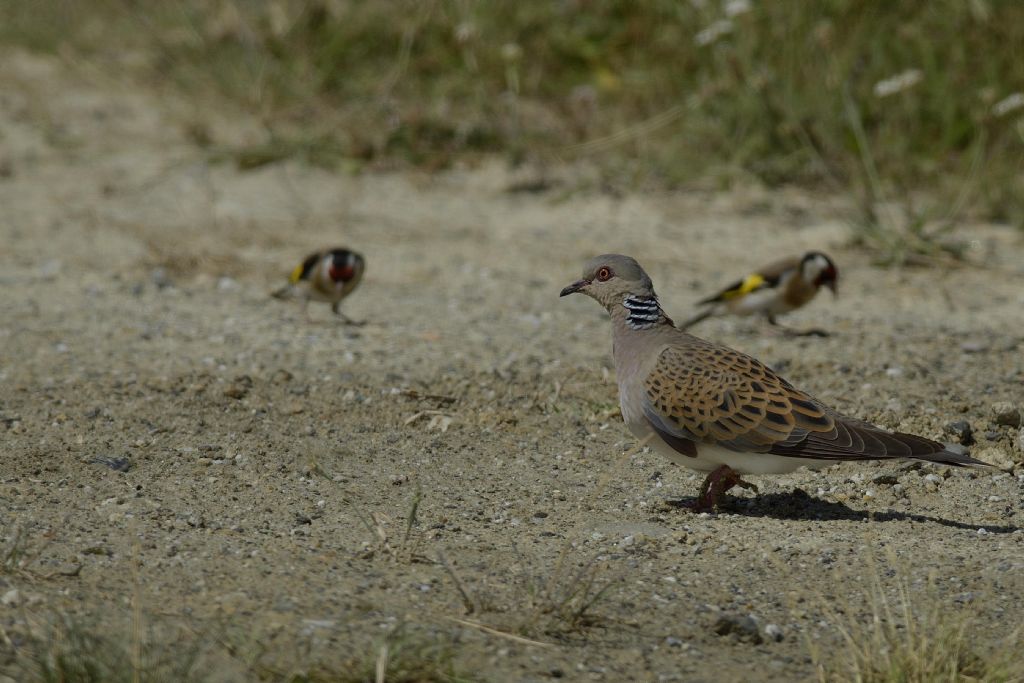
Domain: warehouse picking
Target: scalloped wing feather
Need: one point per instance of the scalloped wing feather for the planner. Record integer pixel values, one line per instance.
(711, 394)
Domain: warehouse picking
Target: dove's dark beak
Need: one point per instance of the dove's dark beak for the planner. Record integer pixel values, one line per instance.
(831, 284)
(574, 287)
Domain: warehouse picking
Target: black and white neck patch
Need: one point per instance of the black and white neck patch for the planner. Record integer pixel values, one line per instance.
(644, 311)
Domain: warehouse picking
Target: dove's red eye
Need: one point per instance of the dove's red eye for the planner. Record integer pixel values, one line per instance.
(604, 273)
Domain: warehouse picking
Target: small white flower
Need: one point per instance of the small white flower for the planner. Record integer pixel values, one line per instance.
(734, 8)
(713, 32)
(898, 83)
(511, 52)
(1008, 104)
(465, 32)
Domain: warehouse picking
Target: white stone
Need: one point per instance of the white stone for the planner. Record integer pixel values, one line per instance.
(11, 598)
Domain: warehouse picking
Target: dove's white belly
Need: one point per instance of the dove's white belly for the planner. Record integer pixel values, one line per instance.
(711, 457)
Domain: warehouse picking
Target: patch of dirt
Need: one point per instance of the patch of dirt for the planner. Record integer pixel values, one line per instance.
(172, 437)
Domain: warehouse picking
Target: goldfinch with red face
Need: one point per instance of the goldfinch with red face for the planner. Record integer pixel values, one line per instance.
(325, 276)
(776, 289)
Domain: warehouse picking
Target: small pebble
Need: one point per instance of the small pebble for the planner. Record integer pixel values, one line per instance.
(160, 278)
(1006, 413)
(959, 449)
(961, 429)
(743, 627)
(70, 569)
(50, 268)
(116, 464)
(774, 633)
(292, 408)
(281, 376)
(227, 284)
(235, 391)
(933, 478)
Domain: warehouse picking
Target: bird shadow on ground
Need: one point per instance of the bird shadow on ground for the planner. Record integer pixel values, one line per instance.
(799, 505)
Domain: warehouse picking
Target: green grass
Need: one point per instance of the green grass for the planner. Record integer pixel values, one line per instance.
(67, 650)
(73, 651)
(915, 637)
(402, 657)
(407, 653)
(566, 601)
(19, 551)
(658, 93)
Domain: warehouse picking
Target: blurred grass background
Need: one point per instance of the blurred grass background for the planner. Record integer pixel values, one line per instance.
(914, 109)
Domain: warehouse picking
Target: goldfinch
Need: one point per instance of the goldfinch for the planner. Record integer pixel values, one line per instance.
(325, 276)
(776, 289)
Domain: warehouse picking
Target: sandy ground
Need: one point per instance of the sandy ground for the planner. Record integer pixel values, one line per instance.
(272, 461)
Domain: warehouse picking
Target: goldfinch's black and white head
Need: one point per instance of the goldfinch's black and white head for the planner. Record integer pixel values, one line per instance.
(336, 265)
(818, 270)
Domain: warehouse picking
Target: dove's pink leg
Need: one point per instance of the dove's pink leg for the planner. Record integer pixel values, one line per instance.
(715, 485)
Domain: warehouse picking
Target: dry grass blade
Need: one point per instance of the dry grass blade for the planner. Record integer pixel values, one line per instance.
(410, 519)
(468, 602)
(651, 125)
(382, 663)
(501, 634)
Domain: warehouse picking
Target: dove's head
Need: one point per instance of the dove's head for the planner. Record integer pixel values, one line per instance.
(610, 278)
